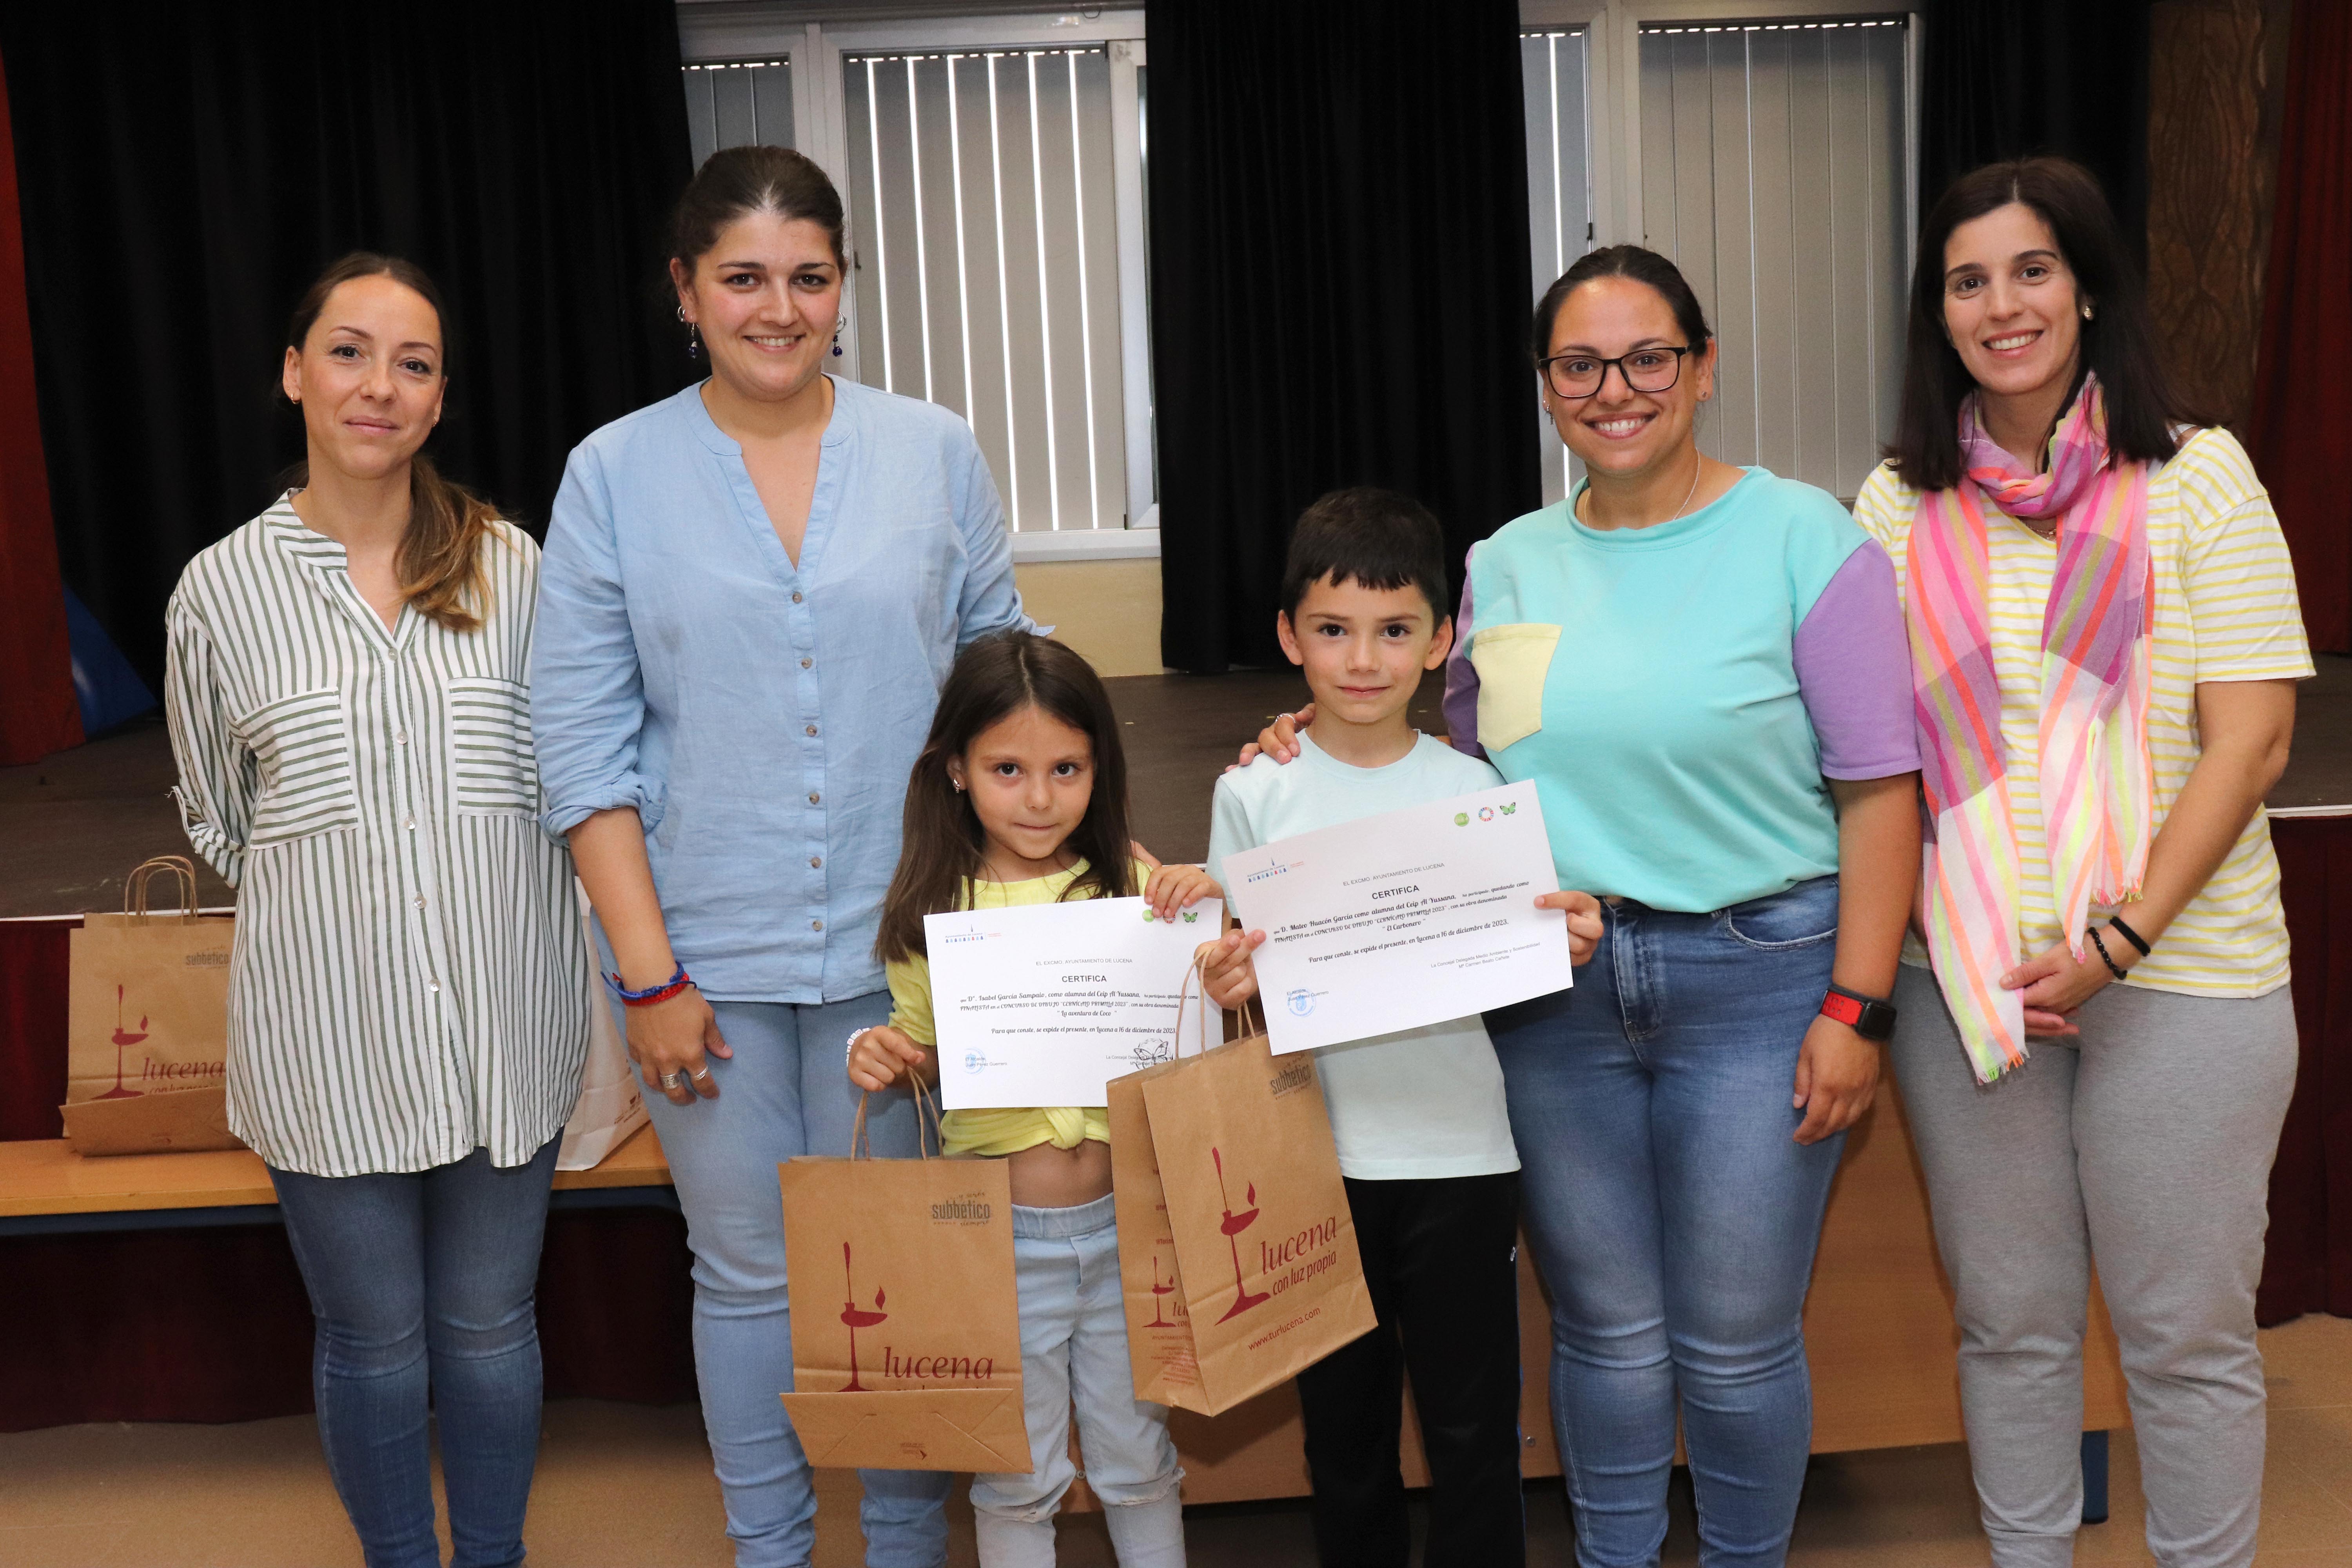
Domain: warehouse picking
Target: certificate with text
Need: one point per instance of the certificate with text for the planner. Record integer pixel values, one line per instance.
(1395, 922)
(1043, 1004)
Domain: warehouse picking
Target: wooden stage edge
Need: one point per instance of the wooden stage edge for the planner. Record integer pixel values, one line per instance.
(44, 1176)
(1879, 1323)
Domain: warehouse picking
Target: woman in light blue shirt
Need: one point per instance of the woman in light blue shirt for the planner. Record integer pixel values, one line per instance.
(751, 593)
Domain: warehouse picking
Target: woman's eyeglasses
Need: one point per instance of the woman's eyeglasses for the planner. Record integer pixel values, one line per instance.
(1645, 370)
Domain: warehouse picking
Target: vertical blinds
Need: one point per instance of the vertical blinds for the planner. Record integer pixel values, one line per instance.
(738, 104)
(1773, 171)
(987, 275)
(1560, 189)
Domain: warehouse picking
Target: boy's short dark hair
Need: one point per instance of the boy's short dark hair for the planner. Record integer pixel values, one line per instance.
(1375, 538)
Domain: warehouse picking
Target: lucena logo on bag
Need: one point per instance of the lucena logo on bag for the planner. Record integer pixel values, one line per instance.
(908, 1366)
(152, 1073)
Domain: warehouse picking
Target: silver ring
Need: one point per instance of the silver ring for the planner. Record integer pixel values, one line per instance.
(669, 1080)
(698, 1077)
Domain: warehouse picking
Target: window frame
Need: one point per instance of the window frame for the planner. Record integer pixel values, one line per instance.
(821, 129)
(1614, 45)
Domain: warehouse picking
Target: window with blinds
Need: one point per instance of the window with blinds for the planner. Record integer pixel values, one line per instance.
(1559, 189)
(1773, 171)
(988, 268)
(738, 103)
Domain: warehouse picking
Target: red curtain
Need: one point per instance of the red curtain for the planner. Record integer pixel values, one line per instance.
(38, 714)
(2303, 398)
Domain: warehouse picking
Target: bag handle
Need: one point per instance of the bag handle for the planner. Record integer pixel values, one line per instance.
(135, 886)
(1197, 971)
(861, 1146)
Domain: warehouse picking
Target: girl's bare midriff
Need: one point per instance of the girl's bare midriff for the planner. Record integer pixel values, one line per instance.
(1045, 1177)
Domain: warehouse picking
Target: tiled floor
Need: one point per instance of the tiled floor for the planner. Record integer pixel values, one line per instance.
(623, 1485)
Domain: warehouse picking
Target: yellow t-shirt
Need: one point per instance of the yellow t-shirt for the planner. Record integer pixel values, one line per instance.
(2225, 610)
(997, 1132)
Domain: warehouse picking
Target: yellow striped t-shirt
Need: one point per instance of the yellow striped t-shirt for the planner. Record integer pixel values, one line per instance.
(2225, 610)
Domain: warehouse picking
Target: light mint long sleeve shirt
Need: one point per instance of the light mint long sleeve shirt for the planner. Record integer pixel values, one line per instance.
(761, 717)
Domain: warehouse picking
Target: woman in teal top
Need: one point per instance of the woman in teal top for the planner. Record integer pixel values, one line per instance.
(1703, 670)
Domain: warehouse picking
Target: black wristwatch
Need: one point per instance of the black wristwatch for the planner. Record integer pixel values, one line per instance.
(1872, 1017)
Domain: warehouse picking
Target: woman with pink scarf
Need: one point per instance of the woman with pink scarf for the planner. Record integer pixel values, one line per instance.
(2096, 1043)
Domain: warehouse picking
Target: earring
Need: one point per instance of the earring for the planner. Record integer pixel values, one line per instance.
(2087, 312)
(959, 786)
(693, 341)
(837, 324)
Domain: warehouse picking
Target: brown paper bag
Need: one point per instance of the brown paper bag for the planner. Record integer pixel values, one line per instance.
(1231, 1175)
(920, 1369)
(147, 1024)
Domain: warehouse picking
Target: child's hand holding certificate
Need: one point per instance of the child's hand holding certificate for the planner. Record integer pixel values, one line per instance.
(1392, 922)
(1045, 1004)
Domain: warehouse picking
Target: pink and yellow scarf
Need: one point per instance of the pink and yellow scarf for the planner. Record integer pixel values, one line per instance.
(2097, 782)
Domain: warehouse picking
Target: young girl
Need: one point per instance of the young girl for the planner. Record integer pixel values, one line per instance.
(1020, 797)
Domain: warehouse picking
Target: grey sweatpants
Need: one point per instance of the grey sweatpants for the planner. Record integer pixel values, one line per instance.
(2146, 1145)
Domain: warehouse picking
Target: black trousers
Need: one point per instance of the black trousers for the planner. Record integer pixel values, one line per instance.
(1440, 1255)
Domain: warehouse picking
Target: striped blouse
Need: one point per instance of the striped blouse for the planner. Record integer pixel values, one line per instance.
(2225, 610)
(409, 981)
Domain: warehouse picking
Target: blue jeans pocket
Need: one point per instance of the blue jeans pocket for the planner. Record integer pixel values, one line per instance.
(1799, 917)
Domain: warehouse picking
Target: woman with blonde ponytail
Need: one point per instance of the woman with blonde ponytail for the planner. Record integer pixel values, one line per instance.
(408, 994)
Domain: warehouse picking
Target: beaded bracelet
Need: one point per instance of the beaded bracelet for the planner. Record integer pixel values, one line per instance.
(648, 998)
(2113, 968)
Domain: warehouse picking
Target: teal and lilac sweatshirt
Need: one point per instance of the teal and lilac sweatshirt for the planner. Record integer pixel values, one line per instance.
(1682, 694)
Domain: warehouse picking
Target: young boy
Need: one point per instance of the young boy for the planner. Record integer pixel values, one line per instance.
(1424, 1144)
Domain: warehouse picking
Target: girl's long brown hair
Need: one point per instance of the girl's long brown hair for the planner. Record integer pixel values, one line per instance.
(943, 845)
(441, 554)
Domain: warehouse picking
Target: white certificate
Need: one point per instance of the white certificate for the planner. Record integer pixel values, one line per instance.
(1415, 917)
(1045, 1004)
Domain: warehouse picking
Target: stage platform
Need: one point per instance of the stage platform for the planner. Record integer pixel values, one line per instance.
(73, 824)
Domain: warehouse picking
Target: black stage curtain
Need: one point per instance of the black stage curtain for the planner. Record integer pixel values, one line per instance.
(1338, 286)
(2007, 79)
(187, 170)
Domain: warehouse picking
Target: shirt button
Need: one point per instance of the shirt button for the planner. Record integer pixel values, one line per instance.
(806, 662)
(420, 903)
(399, 737)
(817, 925)
(813, 797)
(409, 823)
(434, 986)
(811, 729)
(796, 598)
(816, 860)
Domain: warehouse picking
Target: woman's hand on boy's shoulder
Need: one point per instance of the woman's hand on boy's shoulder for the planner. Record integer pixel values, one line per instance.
(1174, 888)
(1583, 920)
(1227, 972)
(881, 1056)
(1278, 739)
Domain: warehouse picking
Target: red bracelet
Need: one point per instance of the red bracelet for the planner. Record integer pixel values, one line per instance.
(662, 993)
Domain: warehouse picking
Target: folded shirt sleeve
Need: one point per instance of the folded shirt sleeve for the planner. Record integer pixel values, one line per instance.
(217, 788)
(587, 690)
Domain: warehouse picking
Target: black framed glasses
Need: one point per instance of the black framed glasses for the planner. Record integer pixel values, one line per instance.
(1653, 369)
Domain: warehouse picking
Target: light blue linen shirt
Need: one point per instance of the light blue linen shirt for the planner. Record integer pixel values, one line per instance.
(761, 718)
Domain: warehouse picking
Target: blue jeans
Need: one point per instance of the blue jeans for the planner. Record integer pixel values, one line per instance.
(1673, 1217)
(1074, 1346)
(425, 1279)
(785, 1091)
